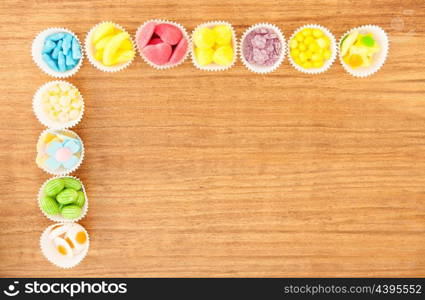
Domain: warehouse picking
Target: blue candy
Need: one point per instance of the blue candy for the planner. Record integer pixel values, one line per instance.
(48, 46)
(58, 48)
(50, 62)
(66, 43)
(69, 61)
(76, 50)
(56, 36)
(61, 62)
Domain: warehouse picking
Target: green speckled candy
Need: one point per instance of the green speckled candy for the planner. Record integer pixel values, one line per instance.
(72, 183)
(67, 196)
(49, 205)
(81, 199)
(71, 212)
(54, 187)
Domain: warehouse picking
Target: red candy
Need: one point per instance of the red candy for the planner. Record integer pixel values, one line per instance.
(179, 51)
(159, 54)
(162, 43)
(146, 34)
(168, 33)
(155, 41)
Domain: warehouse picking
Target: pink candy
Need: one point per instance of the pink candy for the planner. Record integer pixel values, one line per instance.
(262, 47)
(162, 43)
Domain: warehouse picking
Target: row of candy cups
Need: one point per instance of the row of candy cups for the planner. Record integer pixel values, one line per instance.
(379, 32)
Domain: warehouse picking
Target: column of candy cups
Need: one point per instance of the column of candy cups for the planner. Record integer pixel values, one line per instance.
(168, 65)
(49, 254)
(36, 50)
(89, 51)
(40, 114)
(263, 69)
(379, 58)
(214, 67)
(328, 63)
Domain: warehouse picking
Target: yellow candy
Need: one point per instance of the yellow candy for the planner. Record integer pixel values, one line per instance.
(223, 35)
(293, 44)
(126, 45)
(316, 57)
(308, 54)
(101, 31)
(204, 37)
(299, 37)
(204, 56)
(102, 42)
(317, 33)
(124, 56)
(223, 56)
(327, 54)
(307, 65)
(318, 64)
(308, 40)
(313, 47)
(302, 47)
(99, 55)
(303, 57)
(295, 52)
(109, 53)
(306, 32)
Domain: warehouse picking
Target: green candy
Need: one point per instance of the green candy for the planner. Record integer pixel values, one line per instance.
(54, 187)
(81, 199)
(67, 196)
(71, 211)
(368, 41)
(49, 205)
(72, 183)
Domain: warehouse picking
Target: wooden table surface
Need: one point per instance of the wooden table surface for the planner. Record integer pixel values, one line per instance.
(193, 173)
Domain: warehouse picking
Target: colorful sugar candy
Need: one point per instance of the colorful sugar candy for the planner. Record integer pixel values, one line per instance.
(111, 45)
(162, 43)
(61, 51)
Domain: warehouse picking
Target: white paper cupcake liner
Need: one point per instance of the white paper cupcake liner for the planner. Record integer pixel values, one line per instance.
(67, 172)
(378, 58)
(257, 68)
(213, 66)
(90, 54)
(36, 53)
(168, 65)
(41, 116)
(59, 218)
(328, 63)
(48, 249)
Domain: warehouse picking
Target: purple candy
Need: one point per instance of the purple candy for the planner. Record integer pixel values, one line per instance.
(262, 47)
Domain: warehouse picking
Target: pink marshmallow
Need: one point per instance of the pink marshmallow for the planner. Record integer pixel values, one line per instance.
(179, 51)
(146, 34)
(158, 54)
(63, 154)
(168, 33)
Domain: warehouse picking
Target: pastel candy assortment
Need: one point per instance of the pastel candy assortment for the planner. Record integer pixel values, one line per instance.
(111, 45)
(61, 51)
(357, 49)
(214, 45)
(59, 151)
(310, 48)
(262, 47)
(162, 43)
(62, 103)
(63, 196)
